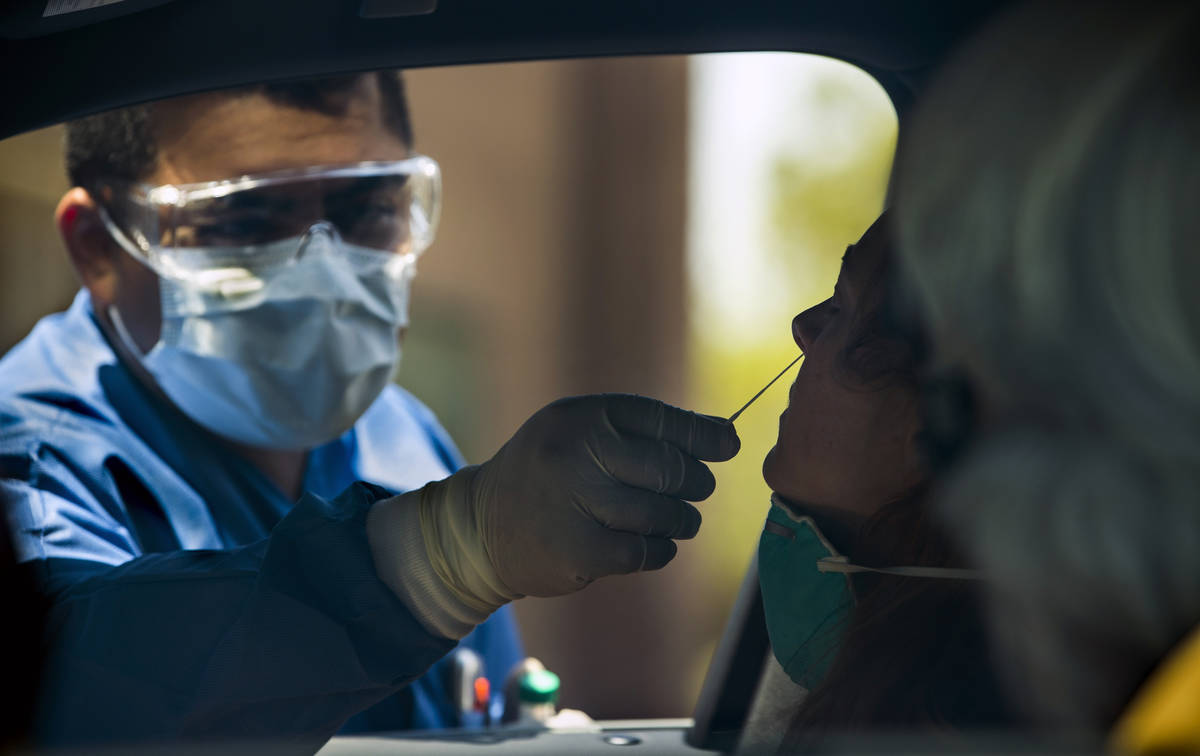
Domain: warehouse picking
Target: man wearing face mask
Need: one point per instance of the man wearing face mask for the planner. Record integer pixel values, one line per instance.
(245, 530)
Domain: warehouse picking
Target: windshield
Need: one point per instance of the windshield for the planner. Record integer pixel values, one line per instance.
(640, 225)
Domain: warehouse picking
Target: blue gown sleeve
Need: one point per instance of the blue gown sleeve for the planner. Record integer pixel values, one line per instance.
(284, 638)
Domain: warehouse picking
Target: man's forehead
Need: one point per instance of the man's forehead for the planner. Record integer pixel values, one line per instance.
(220, 135)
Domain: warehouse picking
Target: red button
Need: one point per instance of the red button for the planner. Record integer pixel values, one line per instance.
(483, 693)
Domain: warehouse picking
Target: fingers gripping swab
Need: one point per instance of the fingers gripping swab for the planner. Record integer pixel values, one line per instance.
(754, 398)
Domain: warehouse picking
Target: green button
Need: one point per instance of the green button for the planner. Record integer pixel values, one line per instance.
(539, 686)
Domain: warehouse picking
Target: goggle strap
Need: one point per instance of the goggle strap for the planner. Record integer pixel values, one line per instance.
(120, 237)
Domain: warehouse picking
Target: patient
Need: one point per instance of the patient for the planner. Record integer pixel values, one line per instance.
(877, 651)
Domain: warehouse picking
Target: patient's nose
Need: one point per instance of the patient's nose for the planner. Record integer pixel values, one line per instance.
(807, 326)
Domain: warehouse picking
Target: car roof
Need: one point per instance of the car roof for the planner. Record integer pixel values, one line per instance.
(68, 58)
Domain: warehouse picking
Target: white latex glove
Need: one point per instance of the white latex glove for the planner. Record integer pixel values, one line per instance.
(589, 486)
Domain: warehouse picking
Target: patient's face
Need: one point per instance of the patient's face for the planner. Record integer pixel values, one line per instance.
(845, 446)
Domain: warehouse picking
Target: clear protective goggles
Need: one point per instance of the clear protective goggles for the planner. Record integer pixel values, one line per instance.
(254, 224)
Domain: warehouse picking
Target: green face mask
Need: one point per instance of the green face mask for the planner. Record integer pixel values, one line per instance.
(806, 609)
(807, 595)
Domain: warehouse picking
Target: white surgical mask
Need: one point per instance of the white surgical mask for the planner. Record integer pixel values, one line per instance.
(286, 359)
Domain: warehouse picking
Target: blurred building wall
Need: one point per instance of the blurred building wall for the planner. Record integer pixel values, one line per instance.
(35, 277)
(563, 237)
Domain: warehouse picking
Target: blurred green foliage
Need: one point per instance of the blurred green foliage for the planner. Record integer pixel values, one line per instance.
(826, 187)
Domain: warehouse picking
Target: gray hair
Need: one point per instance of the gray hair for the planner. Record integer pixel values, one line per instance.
(1048, 215)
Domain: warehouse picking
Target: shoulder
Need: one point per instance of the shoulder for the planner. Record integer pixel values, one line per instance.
(54, 371)
(58, 427)
(399, 430)
(398, 402)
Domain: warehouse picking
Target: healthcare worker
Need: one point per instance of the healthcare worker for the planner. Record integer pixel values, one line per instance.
(201, 455)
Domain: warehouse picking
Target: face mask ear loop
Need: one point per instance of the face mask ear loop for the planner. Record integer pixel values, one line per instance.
(839, 563)
(842, 565)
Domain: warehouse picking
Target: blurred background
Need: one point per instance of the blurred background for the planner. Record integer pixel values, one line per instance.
(645, 225)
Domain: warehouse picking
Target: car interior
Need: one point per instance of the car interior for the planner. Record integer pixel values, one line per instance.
(70, 58)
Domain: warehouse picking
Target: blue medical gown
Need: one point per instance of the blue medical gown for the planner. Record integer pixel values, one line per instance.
(191, 598)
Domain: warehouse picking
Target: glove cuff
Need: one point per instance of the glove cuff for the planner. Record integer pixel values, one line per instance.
(403, 563)
(428, 549)
(456, 545)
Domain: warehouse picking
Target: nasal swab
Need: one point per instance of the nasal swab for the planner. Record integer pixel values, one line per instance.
(737, 414)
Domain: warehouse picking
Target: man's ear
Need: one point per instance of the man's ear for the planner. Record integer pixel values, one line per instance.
(93, 251)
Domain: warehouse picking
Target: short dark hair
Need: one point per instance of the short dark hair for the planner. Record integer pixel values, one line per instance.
(119, 145)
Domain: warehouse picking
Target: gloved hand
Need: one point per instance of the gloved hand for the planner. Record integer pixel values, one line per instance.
(589, 486)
